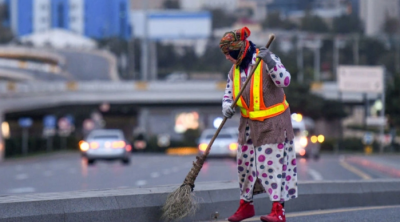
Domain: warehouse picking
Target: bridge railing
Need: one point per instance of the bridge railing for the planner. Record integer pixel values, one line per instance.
(33, 88)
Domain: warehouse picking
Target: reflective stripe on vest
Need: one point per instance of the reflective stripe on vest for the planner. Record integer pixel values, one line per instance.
(257, 109)
(269, 112)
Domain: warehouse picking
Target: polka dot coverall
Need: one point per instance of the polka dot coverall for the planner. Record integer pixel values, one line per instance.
(274, 165)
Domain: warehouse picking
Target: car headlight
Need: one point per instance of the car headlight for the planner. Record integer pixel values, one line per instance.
(314, 139)
(84, 146)
(303, 141)
(203, 146)
(321, 138)
(233, 146)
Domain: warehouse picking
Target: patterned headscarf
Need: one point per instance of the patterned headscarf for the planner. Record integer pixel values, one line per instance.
(236, 42)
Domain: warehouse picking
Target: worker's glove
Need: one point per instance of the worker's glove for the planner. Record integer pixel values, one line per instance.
(228, 112)
(265, 55)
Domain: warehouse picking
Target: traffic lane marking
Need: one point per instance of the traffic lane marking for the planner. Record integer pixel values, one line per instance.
(315, 174)
(354, 170)
(22, 190)
(320, 212)
(393, 172)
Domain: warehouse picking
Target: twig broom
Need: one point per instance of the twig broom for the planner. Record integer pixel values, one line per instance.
(181, 202)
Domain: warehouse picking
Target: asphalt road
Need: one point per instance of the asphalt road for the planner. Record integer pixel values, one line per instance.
(69, 172)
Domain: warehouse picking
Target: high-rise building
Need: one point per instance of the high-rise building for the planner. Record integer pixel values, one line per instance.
(97, 19)
(374, 14)
(228, 5)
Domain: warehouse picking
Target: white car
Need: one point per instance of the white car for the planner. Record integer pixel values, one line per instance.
(304, 146)
(225, 145)
(106, 144)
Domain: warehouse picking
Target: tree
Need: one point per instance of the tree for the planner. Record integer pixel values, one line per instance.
(302, 101)
(275, 20)
(171, 4)
(393, 101)
(220, 19)
(347, 24)
(313, 23)
(391, 26)
(371, 50)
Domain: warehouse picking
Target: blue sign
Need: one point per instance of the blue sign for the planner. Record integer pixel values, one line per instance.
(70, 119)
(49, 121)
(25, 122)
(368, 138)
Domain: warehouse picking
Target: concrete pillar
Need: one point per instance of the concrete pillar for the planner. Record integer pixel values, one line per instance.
(143, 119)
(2, 144)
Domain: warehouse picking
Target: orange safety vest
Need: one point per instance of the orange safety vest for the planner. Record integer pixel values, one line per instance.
(257, 109)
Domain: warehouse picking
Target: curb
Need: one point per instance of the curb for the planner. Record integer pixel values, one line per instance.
(215, 198)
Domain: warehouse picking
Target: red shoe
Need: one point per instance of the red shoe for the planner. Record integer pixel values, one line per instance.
(277, 214)
(245, 210)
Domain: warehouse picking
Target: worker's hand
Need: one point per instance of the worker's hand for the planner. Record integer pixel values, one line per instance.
(265, 55)
(228, 112)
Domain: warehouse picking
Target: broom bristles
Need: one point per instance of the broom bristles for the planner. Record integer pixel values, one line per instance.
(179, 204)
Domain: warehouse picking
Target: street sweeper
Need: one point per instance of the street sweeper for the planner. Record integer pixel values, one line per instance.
(266, 156)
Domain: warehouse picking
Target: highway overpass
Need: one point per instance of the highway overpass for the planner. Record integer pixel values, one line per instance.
(47, 64)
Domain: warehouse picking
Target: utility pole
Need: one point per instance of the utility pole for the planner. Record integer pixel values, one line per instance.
(131, 58)
(397, 54)
(356, 57)
(335, 56)
(382, 127)
(317, 67)
(315, 45)
(153, 61)
(300, 61)
(2, 143)
(145, 47)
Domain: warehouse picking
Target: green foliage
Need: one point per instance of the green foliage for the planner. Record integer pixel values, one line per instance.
(371, 50)
(313, 23)
(211, 61)
(347, 24)
(302, 101)
(190, 137)
(391, 26)
(333, 109)
(221, 19)
(393, 102)
(39, 145)
(275, 20)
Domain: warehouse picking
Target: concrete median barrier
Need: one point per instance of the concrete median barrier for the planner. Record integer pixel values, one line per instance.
(217, 201)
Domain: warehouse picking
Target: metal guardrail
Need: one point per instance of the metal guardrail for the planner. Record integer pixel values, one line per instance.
(36, 87)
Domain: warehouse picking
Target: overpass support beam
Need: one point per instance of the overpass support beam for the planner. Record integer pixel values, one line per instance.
(2, 144)
(143, 120)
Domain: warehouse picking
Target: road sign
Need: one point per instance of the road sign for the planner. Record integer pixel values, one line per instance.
(49, 121)
(63, 123)
(363, 79)
(368, 138)
(65, 126)
(25, 122)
